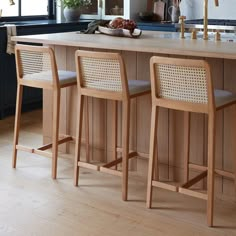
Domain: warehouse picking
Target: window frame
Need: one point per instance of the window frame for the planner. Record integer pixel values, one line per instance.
(50, 16)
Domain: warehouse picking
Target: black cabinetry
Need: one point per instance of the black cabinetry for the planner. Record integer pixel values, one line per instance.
(32, 97)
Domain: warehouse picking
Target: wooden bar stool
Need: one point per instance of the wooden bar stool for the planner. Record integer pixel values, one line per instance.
(36, 67)
(103, 75)
(186, 85)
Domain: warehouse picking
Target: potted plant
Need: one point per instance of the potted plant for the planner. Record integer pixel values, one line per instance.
(72, 8)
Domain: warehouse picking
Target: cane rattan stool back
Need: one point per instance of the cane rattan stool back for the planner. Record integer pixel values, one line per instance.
(182, 84)
(36, 64)
(104, 72)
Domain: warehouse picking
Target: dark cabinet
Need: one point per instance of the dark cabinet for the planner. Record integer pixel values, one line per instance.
(32, 97)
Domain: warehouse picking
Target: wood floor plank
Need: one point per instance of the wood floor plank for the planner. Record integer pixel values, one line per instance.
(31, 203)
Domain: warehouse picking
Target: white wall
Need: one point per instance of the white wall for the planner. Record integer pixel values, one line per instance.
(193, 9)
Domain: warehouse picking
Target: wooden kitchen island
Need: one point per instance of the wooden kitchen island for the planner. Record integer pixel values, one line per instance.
(137, 52)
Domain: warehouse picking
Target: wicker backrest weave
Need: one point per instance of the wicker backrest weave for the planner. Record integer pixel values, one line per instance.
(182, 83)
(34, 64)
(101, 73)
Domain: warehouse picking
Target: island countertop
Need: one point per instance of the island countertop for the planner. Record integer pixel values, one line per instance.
(151, 42)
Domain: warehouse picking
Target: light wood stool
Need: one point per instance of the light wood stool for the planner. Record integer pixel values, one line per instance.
(186, 85)
(36, 67)
(103, 75)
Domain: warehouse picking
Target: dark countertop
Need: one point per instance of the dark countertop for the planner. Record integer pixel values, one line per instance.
(158, 23)
(156, 26)
(40, 23)
(213, 21)
(53, 23)
(56, 22)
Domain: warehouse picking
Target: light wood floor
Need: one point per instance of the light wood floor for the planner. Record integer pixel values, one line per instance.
(31, 203)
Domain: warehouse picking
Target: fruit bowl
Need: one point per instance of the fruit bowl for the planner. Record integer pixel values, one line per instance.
(120, 32)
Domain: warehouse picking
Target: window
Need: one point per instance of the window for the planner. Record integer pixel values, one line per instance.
(23, 9)
(28, 7)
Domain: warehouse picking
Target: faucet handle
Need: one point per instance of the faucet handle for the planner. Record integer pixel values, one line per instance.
(181, 19)
(194, 34)
(217, 36)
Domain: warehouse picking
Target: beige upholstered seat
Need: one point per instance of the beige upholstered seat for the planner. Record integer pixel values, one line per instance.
(64, 77)
(186, 85)
(103, 75)
(223, 98)
(36, 67)
(138, 86)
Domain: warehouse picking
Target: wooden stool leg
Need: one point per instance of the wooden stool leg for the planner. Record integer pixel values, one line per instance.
(153, 138)
(78, 137)
(234, 161)
(186, 145)
(114, 131)
(86, 108)
(125, 148)
(55, 130)
(156, 169)
(17, 123)
(235, 174)
(211, 168)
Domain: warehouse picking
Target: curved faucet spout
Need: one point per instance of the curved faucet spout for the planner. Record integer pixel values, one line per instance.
(205, 17)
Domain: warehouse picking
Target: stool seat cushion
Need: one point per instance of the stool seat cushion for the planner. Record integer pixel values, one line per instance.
(223, 97)
(138, 86)
(65, 77)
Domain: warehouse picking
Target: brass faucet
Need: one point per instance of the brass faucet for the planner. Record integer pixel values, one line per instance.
(181, 19)
(205, 15)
